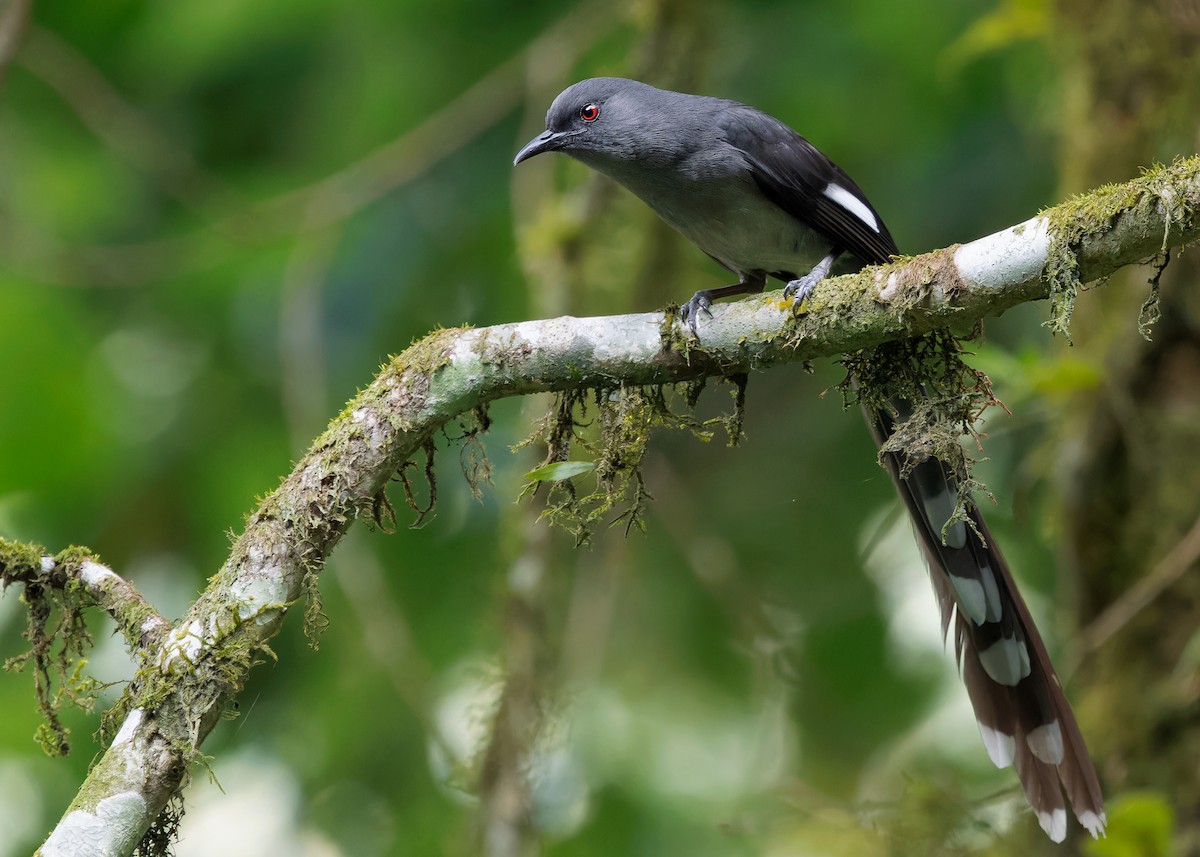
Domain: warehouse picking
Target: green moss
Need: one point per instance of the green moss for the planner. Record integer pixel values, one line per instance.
(419, 361)
(673, 333)
(56, 632)
(1092, 214)
(315, 618)
(200, 693)
(942, 398)
(1070, 223)
(849, 304)
(613, 428)
(17, 558)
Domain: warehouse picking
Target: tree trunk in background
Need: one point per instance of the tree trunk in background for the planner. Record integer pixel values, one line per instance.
(590, 267)
(1132, 483)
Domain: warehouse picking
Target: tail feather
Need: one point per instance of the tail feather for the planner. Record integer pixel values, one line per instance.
(1023, 716)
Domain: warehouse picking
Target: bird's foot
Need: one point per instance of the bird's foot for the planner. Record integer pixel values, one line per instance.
(690, 311)
(801, 290)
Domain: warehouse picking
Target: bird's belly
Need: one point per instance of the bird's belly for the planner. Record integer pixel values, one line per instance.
(746, 234)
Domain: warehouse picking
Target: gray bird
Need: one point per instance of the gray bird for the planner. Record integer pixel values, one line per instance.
(739, 184)
(763, 201)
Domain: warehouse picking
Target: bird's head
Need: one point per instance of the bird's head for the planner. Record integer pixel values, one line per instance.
(601, 115)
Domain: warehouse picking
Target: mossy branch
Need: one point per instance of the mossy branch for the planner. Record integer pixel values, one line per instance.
(77, 569)
(57, 590)
(174, 702)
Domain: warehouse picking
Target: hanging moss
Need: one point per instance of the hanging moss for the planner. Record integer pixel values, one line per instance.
(163, 832)
(472, 455)
(1151, 311)
(56, 632)
(1093, 213)
(946, 397)
(613, 427)
(1071, 222)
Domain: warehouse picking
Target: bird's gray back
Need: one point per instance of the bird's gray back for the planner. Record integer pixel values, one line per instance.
(673, 151)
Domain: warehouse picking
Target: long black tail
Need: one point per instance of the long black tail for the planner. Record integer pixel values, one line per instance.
(1023, 716)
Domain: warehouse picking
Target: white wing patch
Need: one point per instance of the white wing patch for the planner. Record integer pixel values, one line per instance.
(852, 204)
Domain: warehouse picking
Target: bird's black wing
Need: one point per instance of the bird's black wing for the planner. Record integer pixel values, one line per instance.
(797, 177)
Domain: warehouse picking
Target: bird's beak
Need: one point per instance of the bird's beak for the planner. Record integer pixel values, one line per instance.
(547, 141)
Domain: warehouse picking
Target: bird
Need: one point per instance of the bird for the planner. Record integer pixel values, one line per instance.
(762, 201)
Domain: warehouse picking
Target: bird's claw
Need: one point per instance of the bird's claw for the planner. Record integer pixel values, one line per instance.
(801, 290)
(690, 311)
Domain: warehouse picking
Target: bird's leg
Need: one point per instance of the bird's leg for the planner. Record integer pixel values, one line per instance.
(801, 288)
(749, 284)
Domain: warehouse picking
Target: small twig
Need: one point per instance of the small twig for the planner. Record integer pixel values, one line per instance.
(142, 625)
(1137, 597)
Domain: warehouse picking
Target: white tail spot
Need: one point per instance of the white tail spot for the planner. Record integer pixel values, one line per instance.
(1054, 823)
(1006, 661)
(994, 609)
(1000, 747)
(1046, 742)
(970, 598)
(1094, 823)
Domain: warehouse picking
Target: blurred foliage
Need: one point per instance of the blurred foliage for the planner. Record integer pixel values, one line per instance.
(218, 218)
(1142, 827)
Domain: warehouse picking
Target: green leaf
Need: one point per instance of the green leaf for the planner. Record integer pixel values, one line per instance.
(560, 470)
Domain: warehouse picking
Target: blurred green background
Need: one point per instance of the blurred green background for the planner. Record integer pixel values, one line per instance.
(217, 219)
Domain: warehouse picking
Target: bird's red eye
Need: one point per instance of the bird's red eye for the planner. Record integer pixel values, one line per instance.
(589, 112)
